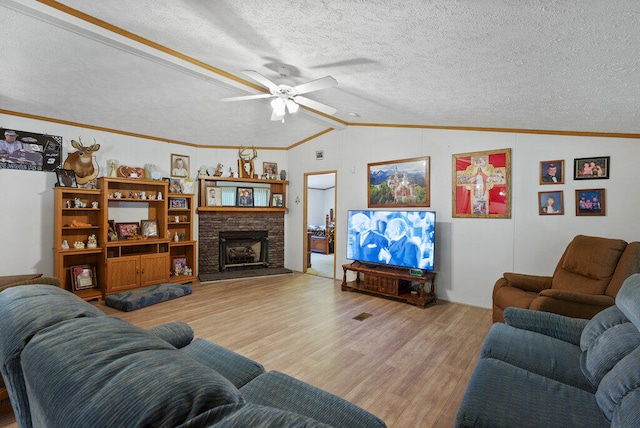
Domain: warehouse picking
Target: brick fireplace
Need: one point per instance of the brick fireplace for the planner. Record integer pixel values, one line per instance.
(211, 224)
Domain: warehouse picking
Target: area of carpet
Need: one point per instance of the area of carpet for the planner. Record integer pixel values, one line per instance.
(147, 296)
(238, 274)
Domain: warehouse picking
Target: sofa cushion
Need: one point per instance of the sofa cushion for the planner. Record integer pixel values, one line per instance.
(237, 369)
(107, 372)
(251, 415)
(177, 333)
(283, 392)
(502, 395)
(610, 336)
(24, 311)
(588, 264)
(618, 394)
(530, 351)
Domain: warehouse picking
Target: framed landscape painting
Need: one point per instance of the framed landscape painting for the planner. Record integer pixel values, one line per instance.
(482, 184)
(399, 183)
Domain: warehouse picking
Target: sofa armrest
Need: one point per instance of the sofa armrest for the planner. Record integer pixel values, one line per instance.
(549, 324)
(533, 283)
(176, 333)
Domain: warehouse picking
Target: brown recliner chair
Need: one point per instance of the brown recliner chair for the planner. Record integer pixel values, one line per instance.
(586, 280)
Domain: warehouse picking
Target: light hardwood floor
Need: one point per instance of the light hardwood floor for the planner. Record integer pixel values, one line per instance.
(409, 366)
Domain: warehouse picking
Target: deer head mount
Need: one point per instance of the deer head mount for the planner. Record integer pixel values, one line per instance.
(81, 162)
(245, 162)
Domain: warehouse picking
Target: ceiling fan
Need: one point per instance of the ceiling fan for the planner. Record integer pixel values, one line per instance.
(287, 97)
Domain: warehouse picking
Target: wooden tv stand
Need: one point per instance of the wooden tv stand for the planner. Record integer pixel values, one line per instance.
(395, 283)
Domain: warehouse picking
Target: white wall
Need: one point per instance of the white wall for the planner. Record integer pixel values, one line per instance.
(319, 205)
(473, 253)
(26, 197)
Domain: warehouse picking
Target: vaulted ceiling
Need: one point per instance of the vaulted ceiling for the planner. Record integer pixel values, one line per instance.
(159, 68)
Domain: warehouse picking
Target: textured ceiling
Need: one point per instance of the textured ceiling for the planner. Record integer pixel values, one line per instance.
(564, 65)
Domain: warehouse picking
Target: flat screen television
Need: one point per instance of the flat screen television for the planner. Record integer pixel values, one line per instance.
(396, 238)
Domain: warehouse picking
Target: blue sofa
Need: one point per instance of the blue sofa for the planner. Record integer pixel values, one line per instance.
(66, 364)
(546, 370)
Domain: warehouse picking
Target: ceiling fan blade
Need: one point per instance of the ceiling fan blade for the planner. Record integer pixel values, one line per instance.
(263, 80)
(247, 97)
(315, 105)
(315, 85)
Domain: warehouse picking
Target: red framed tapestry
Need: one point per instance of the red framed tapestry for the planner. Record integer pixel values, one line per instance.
(482, 184)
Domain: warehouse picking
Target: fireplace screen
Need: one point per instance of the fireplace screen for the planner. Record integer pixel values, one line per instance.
(243, 250)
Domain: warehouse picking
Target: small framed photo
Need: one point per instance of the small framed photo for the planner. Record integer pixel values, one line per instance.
(83, 277)
(277, 200)
(127, 230)
(66, 178)
(180, 203)
(590, 202)
(552, 172)
(245, 197)
(149, 228)
(174, 185)
(178, 264)
(270, 170)
(179, 166)
(214, 196)
(591, 168)
(551, 203)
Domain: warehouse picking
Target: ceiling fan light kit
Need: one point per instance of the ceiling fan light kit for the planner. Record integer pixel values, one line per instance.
(286, 97)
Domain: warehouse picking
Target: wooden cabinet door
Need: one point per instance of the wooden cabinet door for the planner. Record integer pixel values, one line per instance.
(123, 273)
(155, 269)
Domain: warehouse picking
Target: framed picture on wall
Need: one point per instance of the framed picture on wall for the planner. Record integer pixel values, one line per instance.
(590, 202)
(552, 172)
(591, 168)
(399, 183)
(66, 178)
(551, 203)
(179, 166)
(482, 184)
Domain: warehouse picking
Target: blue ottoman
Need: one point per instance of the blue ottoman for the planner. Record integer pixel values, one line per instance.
(147, 296)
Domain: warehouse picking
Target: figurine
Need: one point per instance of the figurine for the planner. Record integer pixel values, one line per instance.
(95, 204)
(159, 196)
(218, 171)
(113, 167)
(230, 173)
(202, 172)
(92, 241)
(187, 271)
(175, 237)
(78, 244)
(65, 245)
(79, 204)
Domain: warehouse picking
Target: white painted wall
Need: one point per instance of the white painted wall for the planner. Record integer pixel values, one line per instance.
(319, 204)
(26, 197)
(471, 253)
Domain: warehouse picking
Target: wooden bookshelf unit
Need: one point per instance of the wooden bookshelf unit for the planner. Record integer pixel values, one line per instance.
(395, 283)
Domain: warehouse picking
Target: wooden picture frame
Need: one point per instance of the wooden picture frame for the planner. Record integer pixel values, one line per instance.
(277, 200)
(552, 172)
(590, 202)
(214, 196)
(244, 197)
(149, 228)
(551, 203)
(127, 230)
(66, 178)
(83, 277)
(593, 168)
(270, 170)
(399, 183)
(482, 184)
(179, 166)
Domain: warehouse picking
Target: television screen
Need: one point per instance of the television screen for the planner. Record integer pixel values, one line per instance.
(397, 238)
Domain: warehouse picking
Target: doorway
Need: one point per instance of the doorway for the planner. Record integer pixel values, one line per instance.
(320, 223)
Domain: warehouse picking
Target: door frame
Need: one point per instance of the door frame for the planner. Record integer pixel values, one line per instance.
(305, 244)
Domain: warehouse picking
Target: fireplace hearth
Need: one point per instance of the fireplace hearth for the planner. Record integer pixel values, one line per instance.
(241, 250)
